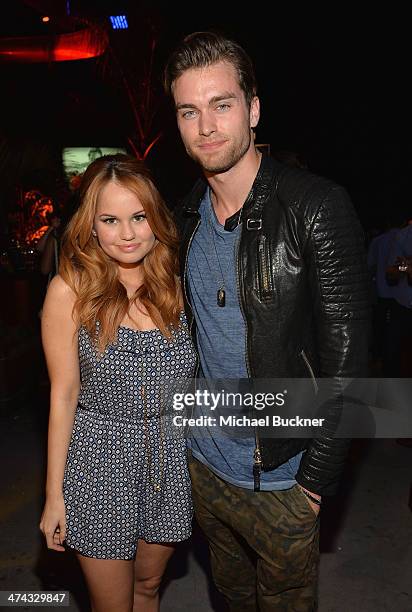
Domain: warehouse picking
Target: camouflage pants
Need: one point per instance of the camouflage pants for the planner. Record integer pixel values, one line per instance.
(264, 546)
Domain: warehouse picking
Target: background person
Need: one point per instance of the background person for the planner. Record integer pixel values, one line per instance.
(382, 252)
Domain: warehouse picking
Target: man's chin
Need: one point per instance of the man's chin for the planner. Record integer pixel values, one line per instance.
(208, 165)
(210, 171)
(216, 166)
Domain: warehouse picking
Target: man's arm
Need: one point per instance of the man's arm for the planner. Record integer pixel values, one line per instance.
(338, 274)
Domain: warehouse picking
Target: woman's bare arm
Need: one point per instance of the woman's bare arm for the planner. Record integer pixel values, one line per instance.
(60, 344)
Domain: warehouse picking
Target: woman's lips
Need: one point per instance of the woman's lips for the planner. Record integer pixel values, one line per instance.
(128, 248)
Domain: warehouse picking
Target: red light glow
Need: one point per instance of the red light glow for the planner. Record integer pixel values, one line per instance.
(65, 47)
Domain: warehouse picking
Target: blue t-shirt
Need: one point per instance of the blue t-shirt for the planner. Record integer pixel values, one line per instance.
(221, 338)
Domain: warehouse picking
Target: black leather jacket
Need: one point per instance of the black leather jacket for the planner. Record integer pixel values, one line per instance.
(303, 288)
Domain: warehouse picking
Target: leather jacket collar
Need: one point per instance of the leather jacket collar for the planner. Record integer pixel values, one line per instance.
(269, 172)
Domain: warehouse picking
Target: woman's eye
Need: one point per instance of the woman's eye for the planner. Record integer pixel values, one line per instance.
(139, 218)
(109, 220)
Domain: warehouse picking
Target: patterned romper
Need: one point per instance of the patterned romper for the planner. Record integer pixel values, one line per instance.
(121, 451)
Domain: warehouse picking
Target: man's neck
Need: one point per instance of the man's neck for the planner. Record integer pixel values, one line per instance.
(229, 190)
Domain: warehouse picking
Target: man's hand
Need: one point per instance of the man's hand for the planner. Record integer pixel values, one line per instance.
(312, 504)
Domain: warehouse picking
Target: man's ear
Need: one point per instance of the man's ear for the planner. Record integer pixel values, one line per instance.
(254, 112)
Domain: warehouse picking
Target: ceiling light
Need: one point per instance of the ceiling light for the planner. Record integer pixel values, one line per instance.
(119, 22)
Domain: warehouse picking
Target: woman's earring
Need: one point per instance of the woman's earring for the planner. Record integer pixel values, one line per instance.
(94, 232)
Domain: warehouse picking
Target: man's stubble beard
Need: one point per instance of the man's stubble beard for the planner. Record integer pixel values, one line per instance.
(229, 159)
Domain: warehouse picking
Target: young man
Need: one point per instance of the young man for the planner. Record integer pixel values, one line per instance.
(275, 282)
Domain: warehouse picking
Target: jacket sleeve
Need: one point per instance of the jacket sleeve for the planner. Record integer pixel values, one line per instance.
(338, 276)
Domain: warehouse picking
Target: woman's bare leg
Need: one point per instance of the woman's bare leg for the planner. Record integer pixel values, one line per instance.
(110, 583)
(150, 565)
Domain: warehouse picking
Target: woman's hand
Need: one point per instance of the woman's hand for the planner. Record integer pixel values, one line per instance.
(53, 523)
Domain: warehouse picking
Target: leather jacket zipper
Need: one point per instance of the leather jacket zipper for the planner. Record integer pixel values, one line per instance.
(265, 280)
(257, 458)
(257, 464)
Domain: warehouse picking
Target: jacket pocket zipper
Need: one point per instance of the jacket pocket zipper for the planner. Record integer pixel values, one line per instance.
(310, 369)
(265, 278)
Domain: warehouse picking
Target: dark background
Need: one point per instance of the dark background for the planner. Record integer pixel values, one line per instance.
(333, 87)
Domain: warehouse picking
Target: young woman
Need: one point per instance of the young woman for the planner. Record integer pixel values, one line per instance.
(113, 330)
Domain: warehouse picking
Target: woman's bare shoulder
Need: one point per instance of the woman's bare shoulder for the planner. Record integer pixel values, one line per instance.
(58, 288)
(60, 297)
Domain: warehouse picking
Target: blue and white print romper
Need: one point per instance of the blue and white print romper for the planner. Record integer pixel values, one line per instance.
(117, 457)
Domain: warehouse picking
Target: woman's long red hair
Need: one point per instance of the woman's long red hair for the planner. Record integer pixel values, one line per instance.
(93, 275)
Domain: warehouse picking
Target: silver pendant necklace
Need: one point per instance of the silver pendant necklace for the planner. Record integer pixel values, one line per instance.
(221, 291)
